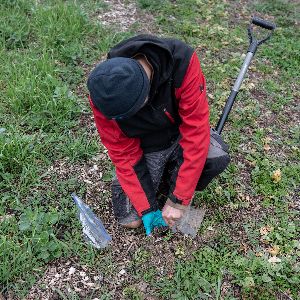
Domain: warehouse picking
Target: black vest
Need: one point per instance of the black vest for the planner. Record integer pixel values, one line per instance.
(157, 123)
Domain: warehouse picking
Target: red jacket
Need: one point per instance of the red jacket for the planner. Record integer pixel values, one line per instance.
(178, 107)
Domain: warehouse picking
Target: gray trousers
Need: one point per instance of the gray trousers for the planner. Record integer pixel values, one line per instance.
(161, 166)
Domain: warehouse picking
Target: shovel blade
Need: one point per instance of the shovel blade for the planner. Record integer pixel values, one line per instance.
(191, 221)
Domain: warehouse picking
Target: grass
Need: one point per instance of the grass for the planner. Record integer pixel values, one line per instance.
(48, 146)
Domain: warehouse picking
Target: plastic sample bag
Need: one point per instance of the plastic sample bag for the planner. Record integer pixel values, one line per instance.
(93, 228)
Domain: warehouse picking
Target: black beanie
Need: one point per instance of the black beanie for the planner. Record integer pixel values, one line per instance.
(118, 87)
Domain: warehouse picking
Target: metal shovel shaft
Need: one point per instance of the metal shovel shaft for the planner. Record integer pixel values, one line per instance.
(254, 43)
(234, 92)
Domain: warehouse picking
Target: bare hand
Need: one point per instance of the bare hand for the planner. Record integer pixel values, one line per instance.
(171, 215)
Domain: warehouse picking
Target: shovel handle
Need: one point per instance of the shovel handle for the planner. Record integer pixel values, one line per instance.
(254, 43)
(263, 23)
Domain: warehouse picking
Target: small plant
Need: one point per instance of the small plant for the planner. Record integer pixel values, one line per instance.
(131, 293)
(37, 227)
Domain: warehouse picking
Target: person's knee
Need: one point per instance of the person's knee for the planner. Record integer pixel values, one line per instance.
(218, 157)
(215, 166)
(222, 164)
(133, 224)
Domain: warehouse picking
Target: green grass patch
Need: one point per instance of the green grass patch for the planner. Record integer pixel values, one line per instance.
(43, 47)
(203, 276)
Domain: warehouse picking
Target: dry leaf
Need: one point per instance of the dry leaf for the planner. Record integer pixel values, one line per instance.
(218, 190)
(265, 230)
(122, 272)
(258, 254)
(72, 270)
(267, 147)
(274, 259)
(95, 168)
(274, 250)
(210, 96)
(244, 248)
(276, 176)
(87, 181)
(267, 140)
(4, 218)
(89, 284)
(250, 86)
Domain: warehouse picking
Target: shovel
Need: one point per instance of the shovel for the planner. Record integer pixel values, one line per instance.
(191, 221)
(254, 43)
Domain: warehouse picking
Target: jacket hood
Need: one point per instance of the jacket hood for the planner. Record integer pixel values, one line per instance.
(155, 49)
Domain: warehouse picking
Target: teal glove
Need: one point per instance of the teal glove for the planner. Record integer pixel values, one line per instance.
(153, 219)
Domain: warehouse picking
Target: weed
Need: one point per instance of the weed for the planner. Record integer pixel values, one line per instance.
(132, 293)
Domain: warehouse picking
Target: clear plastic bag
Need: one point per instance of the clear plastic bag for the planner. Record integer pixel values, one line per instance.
(93, 228)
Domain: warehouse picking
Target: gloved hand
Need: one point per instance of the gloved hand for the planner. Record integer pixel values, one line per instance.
(153, 219)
